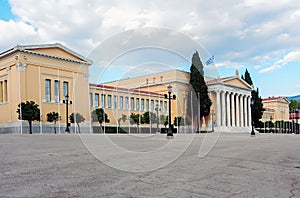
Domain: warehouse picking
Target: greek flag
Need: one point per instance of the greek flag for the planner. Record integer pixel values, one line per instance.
(210, 60)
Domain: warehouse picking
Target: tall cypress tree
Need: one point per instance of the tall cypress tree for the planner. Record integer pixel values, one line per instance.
(198, 88)
(258, 105)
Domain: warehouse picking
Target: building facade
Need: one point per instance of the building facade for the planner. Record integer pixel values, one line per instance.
(45, 74)
(276, 109)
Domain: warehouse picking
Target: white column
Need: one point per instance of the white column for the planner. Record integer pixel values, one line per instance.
(232, 110)
(237, 110)
(218, 108)
(242, 110)
(223, 109)
(245, 111)
(228, 110)
(249, 111)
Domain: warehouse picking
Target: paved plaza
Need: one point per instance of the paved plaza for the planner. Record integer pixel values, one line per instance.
(204, 165)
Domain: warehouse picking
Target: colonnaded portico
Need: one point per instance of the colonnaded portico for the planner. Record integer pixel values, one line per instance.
(233, 104)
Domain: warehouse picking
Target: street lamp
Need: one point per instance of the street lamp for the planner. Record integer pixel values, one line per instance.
(170, 132)
(157, 109)
(271, 118)
(67, 102)
(297, 117)
(252, 119)
(212, 121)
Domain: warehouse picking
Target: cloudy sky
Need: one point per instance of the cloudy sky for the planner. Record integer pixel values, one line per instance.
(262, 36)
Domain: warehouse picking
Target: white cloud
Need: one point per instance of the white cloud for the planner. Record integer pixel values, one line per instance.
(293, 56)
(232, 31)
(268, 69)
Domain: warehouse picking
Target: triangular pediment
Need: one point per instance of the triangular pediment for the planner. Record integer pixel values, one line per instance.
(56, 50)
(237, 82)
(284, 100)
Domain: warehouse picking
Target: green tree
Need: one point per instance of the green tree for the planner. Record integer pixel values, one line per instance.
(29, 111)
(53, 117)
(77, 118)
(198, 89)
(149, 118)
(247, 78)
(122, 118)
(257, 105)
(163, 119)
(135, 119)
(294, 104)
(178, 121)
(98, 115)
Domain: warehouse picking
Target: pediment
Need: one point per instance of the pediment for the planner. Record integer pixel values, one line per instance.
(56, 50)
(237, 82)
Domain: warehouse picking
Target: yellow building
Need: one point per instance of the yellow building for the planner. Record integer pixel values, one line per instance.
(276, 109)
(230, 96)
(45, 74)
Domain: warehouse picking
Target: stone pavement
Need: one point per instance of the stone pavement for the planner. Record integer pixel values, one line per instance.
(235, 165)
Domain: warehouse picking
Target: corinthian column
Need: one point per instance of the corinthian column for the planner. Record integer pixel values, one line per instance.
(223, 109)
(228, 110)
(242, 110)
(249, 111)
(218, 108)
(232, 110)
(237, 110)
(245, 111)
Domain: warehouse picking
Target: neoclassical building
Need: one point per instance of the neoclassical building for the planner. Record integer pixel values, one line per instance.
(276, 109)
(231, 97)
(47, 73)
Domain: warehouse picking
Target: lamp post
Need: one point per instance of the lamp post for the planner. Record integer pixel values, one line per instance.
(252, 119)
(297, 117)
(198, 117)
(271, 118)
(170, 132)
(212, 121)
(157, 109)
(67, 102)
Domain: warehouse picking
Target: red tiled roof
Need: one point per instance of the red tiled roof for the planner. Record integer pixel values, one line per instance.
(271, 98)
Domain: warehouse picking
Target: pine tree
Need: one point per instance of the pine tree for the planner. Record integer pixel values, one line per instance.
(247, 78)
(258, 105)
(198, 89)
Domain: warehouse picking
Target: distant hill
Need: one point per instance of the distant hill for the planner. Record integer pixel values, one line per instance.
(294, 98)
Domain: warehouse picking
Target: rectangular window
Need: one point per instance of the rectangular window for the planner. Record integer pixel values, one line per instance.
(115, 102)
(161, 105)
(91, 99)
(103, 100)
(66, 88)
(56, 91)
(121, 102)
(48, 90)
(126, 103)
(5, 91)
(165, 106)
(96, 100)
(152, 105)
(147, 104)
(131, 103)
(142, 105)
(1, 92)
(108, 101)
(137, 104)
